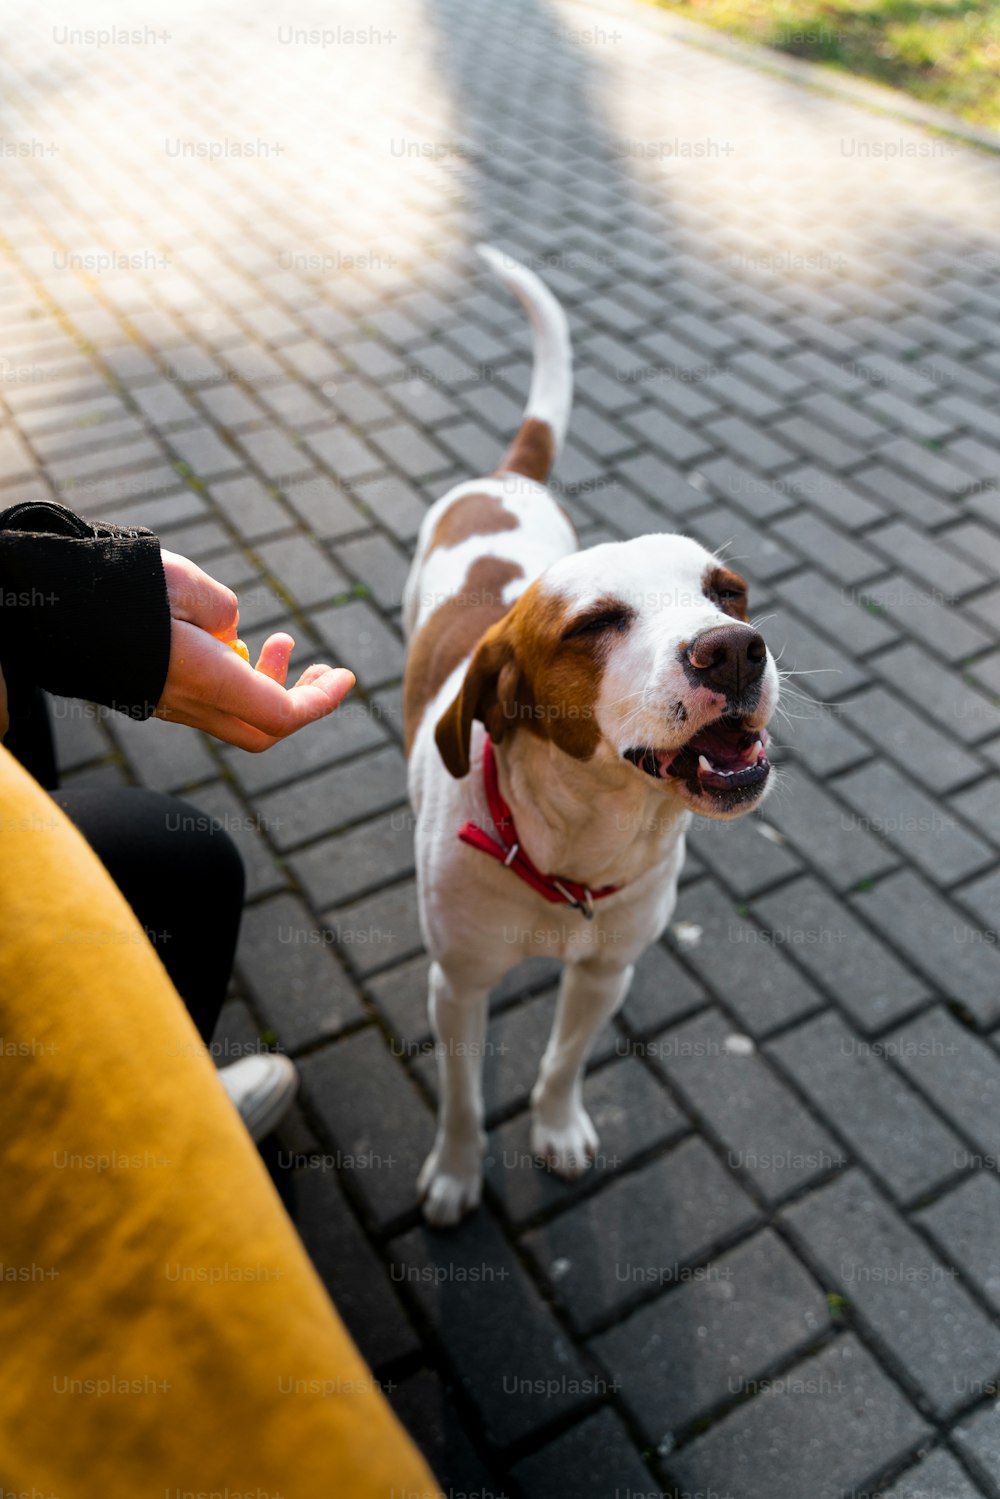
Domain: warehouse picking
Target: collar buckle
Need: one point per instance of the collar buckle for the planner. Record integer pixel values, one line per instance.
(585, 904)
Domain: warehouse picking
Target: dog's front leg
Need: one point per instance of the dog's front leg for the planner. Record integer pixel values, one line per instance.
(561, 1130)
(450, 1180)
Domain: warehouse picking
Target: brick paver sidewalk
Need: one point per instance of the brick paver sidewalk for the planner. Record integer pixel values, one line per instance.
(784, 1278)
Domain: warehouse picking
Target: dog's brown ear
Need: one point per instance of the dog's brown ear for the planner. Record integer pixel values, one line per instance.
(489, 692)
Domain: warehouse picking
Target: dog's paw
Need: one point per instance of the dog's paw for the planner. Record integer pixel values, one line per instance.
(447, 1195)
(568, 1149)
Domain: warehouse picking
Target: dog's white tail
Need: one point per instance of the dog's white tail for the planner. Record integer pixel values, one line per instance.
(546, 416)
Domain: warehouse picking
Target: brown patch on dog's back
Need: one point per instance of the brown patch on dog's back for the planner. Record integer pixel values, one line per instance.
(472, 515)
(532, 453)
(450, 634)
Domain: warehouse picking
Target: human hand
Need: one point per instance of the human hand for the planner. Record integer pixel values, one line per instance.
(209, 687)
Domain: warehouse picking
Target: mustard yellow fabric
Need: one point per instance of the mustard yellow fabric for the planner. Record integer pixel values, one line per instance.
(162, 1332)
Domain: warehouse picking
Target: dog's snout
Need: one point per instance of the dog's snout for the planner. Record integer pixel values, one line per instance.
(729, 658)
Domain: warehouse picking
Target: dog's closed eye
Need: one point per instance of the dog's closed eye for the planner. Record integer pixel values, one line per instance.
(617, 618)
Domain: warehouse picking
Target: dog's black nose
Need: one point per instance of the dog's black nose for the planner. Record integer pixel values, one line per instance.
(729, 658)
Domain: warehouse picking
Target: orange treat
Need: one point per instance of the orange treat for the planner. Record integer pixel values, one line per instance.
(240, 649)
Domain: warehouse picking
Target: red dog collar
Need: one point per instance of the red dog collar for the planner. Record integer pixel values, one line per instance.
(509, 851)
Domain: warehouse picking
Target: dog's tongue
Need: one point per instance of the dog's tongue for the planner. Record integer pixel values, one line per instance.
(724, 755)
(726, 746)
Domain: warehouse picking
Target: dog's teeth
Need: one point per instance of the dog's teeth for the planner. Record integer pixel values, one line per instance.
(705, 764)
(755, 753)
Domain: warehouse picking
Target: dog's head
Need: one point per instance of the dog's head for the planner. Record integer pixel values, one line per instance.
(636, 654)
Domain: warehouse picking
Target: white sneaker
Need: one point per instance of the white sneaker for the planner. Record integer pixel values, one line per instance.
(262, 1088)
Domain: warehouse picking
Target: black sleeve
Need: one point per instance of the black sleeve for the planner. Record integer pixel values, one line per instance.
(83, 608)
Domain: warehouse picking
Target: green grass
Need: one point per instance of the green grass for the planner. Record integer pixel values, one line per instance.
(946, 54)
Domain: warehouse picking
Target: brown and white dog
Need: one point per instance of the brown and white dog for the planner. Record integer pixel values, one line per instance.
(621, 689)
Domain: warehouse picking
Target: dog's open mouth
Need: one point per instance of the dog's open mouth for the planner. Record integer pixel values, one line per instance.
(724, 762)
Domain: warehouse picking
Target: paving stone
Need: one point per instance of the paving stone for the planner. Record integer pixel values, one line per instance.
(978, 1439)
(909, 1299)
(395, 504)
(882, 1120)
(532, 1375)
(923, 423)
(827, 1430)
(371, 1119)
(966, 1224)
(908, 497)
(358, 638)
(381, 567)
(817, 441)
(357, 1281)
(594, 1460)
(350, 863)
(425, 1407)
(959, 1073)
(844, 560)
(246, 505)
(838, 612)
(325, 507)
(379, 930)
(865, 978)
(927, 614)
(287, 966)
(986, 607)
(890, 805)
(832, 495)
(164, 756)
(661, 991)
(749, 855)
(631, 1112)
(351, 729)
(750, 444)
(401, 996)
(347, 456)
(767, 1133)
(926, 753)
(715, 1336)
(302, 569)
(776, 373)
(203, 451)
(277, 457)
(330, 799)
(748, 399)
(937, 940)
(817, 735)
(835, 841)
(980, 806)
(976, 542)
(925, 466)
(760, 498)
(742, 543)
(937, 1477)
(410, 450)
(680, 444)
(744, 966)
(641, 1231)
(921, 555)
